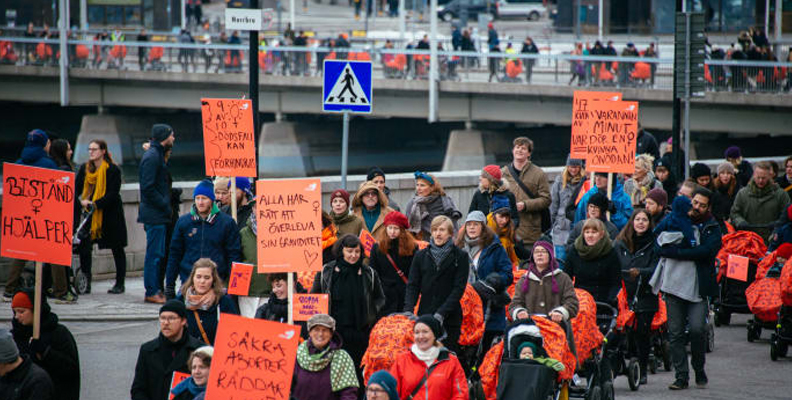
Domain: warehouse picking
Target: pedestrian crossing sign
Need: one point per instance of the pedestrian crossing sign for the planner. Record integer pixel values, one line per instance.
(347, 86)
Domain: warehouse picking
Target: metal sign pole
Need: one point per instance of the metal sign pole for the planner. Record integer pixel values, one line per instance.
(254, 74)
(345, 150)
(687, 95)
(433, 64)
(63, 26)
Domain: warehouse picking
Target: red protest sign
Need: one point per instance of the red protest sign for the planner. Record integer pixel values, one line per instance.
(289, 218)
(176, 379)
(253, 359)
(367, 241)
(38, 214)
(239, 281)
(304, 306)
(229, 144)
(737, 268)
(613, 136)
(582, 116)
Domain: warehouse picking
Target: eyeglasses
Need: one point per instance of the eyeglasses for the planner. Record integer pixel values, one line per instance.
(374, 391)
(370, 194)
(168, 319)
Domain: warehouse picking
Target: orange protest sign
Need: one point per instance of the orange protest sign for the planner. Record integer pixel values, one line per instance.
(239, 281)
(613, 136)
(176, 379)
(737, 268)
(304, 306)
(38, 214)
(289, 218)
(253, 359)
(229, 144)
(367, 241)
(582, 116)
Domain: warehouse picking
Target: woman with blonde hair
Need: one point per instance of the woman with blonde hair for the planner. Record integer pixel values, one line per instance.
(564, 195)
(205, 299)
(642, 180)
(594, 262)
(428, 202)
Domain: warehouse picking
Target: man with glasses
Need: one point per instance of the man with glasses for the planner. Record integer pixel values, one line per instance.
(370, 204)
(160, 358)
(687, 307)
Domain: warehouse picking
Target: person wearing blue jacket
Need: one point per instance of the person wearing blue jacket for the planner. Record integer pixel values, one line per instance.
(203, 233)
(621, 202)
(36, 151)
(490, 272)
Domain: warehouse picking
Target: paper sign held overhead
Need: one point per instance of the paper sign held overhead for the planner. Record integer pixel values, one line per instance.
(239, 280)
(38, 214)
(367, 241)
(582, 116)
(289, 218)
(737, 268)
(253, 359)
(612, 138)
(347, 86)
(304, 306)
(229, 144)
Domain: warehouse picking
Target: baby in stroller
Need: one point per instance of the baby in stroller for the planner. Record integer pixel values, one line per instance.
(526, 371)
(528, 351)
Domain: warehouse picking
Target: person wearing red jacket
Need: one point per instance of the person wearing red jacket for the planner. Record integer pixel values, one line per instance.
(429, 370)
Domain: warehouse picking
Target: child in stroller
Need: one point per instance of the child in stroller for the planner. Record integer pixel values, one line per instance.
(526, 371)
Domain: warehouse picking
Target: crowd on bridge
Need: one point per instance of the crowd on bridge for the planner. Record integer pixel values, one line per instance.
(582, 235)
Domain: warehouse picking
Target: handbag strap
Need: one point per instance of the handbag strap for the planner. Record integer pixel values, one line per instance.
(520, 183)
(200, 327)
(422, 382)
(398, 271)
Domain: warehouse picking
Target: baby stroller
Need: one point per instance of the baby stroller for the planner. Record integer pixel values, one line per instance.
(512, 71)
(764, 297)
(155, 59)
(592, 368)
(77, 279)
(782, 337)
(524, 379)
(731, 294)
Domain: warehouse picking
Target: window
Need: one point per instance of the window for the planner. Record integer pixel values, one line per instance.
(115, 15)
(132, 15)
(96, 15)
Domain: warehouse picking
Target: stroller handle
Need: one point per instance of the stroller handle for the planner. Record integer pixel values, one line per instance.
(612, 316)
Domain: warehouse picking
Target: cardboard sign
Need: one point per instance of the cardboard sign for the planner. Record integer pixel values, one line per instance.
(737, 268)
(582, 116)
(229, 144)
(367, 241)
(38, 214)
(289, 225)
(304, 306)
(176, 379)
(253, 359)
(613, 137)
(239, 281)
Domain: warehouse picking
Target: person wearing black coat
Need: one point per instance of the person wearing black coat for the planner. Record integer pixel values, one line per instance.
(635, 247)
(439, 275)
(593, 264)
(61, 152)
(646, 143)
(160, 358)
(21, 379)
(107, 224)
(492, 192)
(55, 351)
(391, 258)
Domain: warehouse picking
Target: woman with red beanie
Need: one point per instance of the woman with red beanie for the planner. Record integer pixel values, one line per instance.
(492, 187)
(344, 221)
(392, 257)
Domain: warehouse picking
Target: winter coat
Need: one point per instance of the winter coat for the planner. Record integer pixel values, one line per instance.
(440, 286)
(26, 382)
(494, 260)
(744, 173)
(782, 234)
(722, 203)
(647, 144)
(347, 224)
(600, 277)
(534, 178)
(378, 226)
(785, 184)
(561, 198)
(620, 199)
(307, 385)
(358, 207)
(215, 237)
(372, 289)
(631, 186)
(260, 285)
(114, 231)
(442, 205)
(645, 260)
(59, 355)
(35, 156)
(209, 318)
(447, 381)
(578, 230)
(703, 255)
(155, 194)
(482, 199)
(182, 390)
(243, 213)
(754, 206)
(540, 299)
(391, 203)
(152, 376)
(392, 284)
(274, 309)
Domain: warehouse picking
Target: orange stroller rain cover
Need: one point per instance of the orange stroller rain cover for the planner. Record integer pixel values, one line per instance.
(391, 336)
(742, 243)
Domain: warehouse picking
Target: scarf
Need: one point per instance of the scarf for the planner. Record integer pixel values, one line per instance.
(370, 217)
(642, 187)
(549, 270)
(94, 189)
(341, 219)
(640, 241)
(342, 369)
(428, 356)
(346, 294)
(439, 253)
(419, 212)
(601, 248)
(195, 301)
(472, 246)
(188, 385)
(253, 225)
(329, 236)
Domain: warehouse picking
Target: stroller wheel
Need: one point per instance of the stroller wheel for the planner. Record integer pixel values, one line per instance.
(80, 282)
(722, 318)
(595, 393)
(754, 331)
(774, 350)
(633, 374)
(653, 361)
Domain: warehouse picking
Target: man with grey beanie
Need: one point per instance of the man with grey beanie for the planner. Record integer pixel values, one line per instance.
(20, 379)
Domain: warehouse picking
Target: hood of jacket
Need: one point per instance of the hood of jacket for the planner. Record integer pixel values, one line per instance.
(32, 154)
(357, 201)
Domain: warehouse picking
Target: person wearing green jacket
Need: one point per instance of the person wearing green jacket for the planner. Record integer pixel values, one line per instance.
(759, 204)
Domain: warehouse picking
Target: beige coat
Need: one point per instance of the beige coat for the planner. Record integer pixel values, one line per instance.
(357, 206)
(534, 178)
(540, 298)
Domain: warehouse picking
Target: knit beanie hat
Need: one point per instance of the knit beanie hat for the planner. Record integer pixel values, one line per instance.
(553, 264)
(433, 324)
(221, 182)
(398, 219)
(387, 381)
(243, 184)
(476, 216)
(340, 193)
(374, 172)
(204, 188)
(600, 201)
(36, 138)
(174, 306)
(22, 300)
(8, 348)
(659, 196)
(573, 161)
(500, 204)
(733, 152)
(160, 132)
(532, 345)
(726, 167)
(493, 173)
(698, 170)
(784, 251)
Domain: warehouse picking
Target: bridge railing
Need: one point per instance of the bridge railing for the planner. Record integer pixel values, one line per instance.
(503, 67)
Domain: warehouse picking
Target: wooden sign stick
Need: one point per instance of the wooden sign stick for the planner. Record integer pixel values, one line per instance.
(37, 300)
(233, 199)
(610, 191)
(290, 286)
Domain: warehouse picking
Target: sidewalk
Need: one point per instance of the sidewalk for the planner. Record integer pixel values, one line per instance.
(100, 306)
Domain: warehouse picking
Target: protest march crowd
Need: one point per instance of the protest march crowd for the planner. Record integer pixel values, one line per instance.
(599, 242)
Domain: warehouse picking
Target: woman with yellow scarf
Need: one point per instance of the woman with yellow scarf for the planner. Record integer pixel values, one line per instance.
(99, 186)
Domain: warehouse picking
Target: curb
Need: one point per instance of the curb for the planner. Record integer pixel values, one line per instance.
(113, 318)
